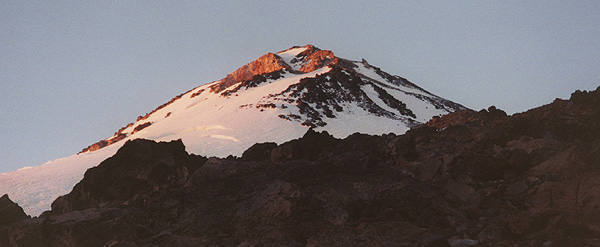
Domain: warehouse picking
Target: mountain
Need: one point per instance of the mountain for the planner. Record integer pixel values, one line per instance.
(464, 179)
(275, 98)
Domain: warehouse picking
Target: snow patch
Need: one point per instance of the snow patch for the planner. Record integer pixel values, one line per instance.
(371, 74)
(345, 123)
(374, 96)
(289, 55)
(224, 137)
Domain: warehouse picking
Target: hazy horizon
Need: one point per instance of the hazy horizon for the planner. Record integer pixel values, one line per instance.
(73, 73)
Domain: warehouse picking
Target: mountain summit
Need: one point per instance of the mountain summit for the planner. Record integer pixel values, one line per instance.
(275, 98)
(304, 85)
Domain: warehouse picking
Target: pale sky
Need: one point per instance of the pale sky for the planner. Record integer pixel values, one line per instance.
(73, 72)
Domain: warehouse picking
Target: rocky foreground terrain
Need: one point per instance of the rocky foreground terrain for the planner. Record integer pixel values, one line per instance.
(465, 179)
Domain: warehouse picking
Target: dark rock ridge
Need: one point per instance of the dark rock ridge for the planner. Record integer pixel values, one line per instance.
(314, 58)
(464, 179)
(120, 134)
(10, 213)
(271, 66)
(438, 102)
(266, 64)
(319, 97)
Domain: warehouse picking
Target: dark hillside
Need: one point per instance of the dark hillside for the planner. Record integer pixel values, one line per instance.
(468, 178)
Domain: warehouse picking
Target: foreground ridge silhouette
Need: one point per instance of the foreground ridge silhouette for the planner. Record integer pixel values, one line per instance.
(467, 178)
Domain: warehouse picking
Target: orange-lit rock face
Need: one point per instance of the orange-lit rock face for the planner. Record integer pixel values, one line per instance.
(317, 60)
(312, 58)
(266, 64)
(103, 143)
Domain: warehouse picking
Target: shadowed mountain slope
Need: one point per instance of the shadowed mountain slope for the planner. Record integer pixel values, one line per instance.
(467, 178)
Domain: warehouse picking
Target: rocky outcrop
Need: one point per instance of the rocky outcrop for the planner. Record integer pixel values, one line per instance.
(265, 64)
(491, 116)
(259, 151)
(321, 96)
(313, 58)
(141, 127)
(150, 167)
(10, 213)
(103, 143)
(256, 81)
(120, 134)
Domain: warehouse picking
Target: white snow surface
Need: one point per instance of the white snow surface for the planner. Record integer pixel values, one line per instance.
(214, 125)
(288, 55)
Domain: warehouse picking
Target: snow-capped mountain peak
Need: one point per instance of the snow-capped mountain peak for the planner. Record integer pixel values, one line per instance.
(274, 98)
